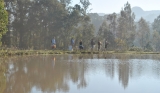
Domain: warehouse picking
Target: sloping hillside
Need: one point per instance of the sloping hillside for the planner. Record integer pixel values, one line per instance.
(147, 15)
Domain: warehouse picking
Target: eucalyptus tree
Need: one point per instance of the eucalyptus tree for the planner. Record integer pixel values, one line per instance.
(130, 17)
(112, 19)
(87, 29)
(121, 29)
(85, 5)
(20, 11)
(9, 6)
(126, 26)
(50, 20)
(96, 20)
(86, 32)
(103, 29)
(156, 41)
(3, 20)
(105, 33)
(143, 32)
(156, 24)
(156, 33)
(76, 24)
(33, 23)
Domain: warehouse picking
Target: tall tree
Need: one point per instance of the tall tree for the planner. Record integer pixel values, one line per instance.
(96, 20)
(126, 26)
(156, 33)
(156, 24)
(85, 5)
(143, 32)
(156, 40)
(105, 33)
(3, 20)
(112, 18)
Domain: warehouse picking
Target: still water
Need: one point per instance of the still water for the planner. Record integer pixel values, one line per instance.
(83, 74)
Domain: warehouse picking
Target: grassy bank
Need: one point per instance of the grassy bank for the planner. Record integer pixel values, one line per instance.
(32, 52)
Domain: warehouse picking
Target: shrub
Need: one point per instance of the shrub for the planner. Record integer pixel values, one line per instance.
(135, 49)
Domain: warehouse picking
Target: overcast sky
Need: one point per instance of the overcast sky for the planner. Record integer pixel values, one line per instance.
(110, 6)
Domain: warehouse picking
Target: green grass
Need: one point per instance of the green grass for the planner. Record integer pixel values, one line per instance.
(32, 52)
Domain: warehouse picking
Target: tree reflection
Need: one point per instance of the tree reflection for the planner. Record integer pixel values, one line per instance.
(123, 66)
(45, 73)
(82, 70)
(77, 72)
(2, 77)
(124, 73)
(55, 73)
(128, 68)
(110, 68)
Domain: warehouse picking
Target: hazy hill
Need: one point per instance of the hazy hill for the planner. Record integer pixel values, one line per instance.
(147, 15)
(139, 12)
(101, 14)
(98, 18)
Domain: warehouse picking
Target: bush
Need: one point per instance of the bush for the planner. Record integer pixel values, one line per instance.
(147, 50)
(135, 49)
(149, 47)
(120, 51)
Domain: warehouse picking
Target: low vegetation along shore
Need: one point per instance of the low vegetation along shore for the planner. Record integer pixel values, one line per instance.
(32, 52)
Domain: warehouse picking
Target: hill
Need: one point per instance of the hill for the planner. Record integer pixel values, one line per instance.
(147, 15)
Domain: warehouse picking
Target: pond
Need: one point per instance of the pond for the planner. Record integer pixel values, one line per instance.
(109, 73)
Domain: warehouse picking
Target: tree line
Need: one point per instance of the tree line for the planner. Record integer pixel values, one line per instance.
(32, 24)
(124, 33)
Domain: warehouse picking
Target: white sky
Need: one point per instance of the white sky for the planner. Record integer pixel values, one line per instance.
(110, 6)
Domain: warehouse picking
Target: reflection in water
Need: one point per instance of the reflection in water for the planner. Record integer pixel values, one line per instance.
(124, 73)
(2, 77)
(110, 68)
(61, 73)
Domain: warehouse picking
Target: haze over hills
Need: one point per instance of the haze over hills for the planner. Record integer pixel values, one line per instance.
(98, 18)
(101, 14)
(139, 12)
(147, 15)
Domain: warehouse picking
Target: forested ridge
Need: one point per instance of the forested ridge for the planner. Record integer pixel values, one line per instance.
(33, 23)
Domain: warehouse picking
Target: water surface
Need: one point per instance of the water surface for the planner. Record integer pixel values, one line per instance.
(83, 74)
